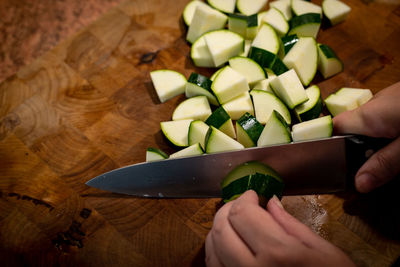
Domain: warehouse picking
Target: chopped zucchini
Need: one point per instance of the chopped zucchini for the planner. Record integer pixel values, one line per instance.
(221, 120)
(239, 105)
(265, 103)
(277, 20)
(306, 25)
(276, 131)
(188, 12)
(195, 108)
(246, 26)
(283, 6)
(329, 63)
(335, 10)
(217, 141)
(248, 68)
(312, 107)
(168, 83)
(226, 6)
(197, 133)
(200, 54)
(250, 7)
(176, 131)
(155, 154)
(197, 85)
(248, 130)
(267, 39)
(192, 150)
(313, 129)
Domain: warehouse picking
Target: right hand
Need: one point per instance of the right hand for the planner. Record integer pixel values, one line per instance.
(380, 117)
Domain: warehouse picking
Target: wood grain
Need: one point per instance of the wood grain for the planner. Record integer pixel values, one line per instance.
(88, 106)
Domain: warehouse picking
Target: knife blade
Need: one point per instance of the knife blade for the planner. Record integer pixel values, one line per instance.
(309, 167)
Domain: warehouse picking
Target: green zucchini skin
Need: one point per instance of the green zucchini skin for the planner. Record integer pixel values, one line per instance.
(158, 151)
(328, 52)
(267, 60)
(307, 18)
(252, 127)
(218, 117)
(288, 42)
(265, 186)
(313, 113)
(251, 20)
(200, 80)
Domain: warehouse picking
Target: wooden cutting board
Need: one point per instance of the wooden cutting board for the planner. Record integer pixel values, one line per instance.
(88, 106)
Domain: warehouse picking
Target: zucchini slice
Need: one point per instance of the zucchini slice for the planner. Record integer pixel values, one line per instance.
(312, 107)
(347, 99)
(246, 26)
(189, 9)
(289, 89)
(229, 84)
(221, 120)
(265, 103)
(266, 39)
(176, 131)
(264, 185)
(192, 150)
(205, 19)
(217, 141)
(249, 7)
(247, 46)
(155, 154)
(248, 130)
(313, 129)
(329, 63)
(335, 10)
(276, 131)
(248, 68)
(200, 54)
(168, 83)
(303, 58)
(212, 78)
(300, 7)
(195, 108)
(198, 85)
(226, 6)
(306, 25)
(283, 6)
(197, 133)
(264, 84)
(223, 44)
(248, 168)
(239, 106)
(277, 20)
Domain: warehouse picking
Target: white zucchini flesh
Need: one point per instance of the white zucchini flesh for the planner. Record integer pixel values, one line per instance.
(168, 83)
(347, 99)
(197, 133)
(154, 154)
(250, 7)
(226, 6)
(265, 103)
(276, 131)
(303, 58)
(176, 131)
(328, 63)
(200, 54)
(215, 74)
(239, 106)
(221, 120)
(335, 10)
(264, 84)
(229, 84)
(189, 9)
(362, 96)
(192, 150)
(248, 68)
(195, 108)
(217, 141)
(192, 90)
(289, 89)
(205, 19)
(313, 129)
(223, 45)
(283, 6)
(277, 20)
(300, 7)
(267, 39)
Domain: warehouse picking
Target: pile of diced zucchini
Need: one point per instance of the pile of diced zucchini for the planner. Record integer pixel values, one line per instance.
(261, 92)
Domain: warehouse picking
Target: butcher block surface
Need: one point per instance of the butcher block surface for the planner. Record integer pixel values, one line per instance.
(88, 106)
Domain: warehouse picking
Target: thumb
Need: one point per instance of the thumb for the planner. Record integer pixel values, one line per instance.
(382, 167)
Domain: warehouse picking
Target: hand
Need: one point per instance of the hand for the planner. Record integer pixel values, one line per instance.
(380, 117)
(244, 234)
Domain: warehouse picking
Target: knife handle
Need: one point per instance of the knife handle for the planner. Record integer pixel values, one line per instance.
(359, 149)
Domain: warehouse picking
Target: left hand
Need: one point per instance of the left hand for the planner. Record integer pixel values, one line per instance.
(244, 234)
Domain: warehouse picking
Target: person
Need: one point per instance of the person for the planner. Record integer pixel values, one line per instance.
(245, 234)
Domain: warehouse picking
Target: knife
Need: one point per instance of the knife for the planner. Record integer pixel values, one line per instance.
(310, 167)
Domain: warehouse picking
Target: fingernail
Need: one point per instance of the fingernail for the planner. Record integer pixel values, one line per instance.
(277, 201)
(365, 182)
